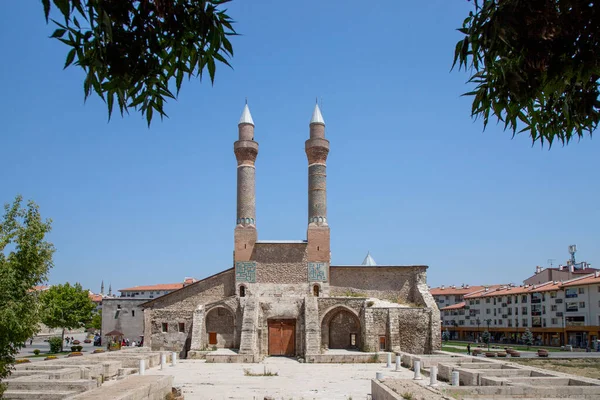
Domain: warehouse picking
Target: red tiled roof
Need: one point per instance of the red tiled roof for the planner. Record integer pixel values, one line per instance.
(96, 298)
(593, 279)
(454, 307)
(160, 286)
(454, 291)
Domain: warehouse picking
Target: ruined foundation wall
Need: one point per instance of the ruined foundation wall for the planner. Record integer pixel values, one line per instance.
(415, 331)
(393, 283)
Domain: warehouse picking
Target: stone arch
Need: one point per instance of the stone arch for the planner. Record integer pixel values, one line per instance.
(220, 327)
(341, 328)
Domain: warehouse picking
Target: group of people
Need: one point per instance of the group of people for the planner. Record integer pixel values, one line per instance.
(69, 340)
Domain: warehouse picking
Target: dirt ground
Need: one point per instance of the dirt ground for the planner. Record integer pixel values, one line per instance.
(588, 367)
(410, 390)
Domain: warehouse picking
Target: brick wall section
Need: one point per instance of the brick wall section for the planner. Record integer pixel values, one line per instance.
(393, 283)
(179, 306)
(283, 263)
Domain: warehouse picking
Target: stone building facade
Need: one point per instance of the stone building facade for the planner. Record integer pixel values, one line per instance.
(124, 315)
(284, 297)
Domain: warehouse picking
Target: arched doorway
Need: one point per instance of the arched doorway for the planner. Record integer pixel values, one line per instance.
(220, 328)
(340, 329)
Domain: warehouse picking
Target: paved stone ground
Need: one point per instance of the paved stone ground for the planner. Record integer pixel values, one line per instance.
(201, 380)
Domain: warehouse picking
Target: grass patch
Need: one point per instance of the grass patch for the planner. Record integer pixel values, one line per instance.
(502, 346)
(266, 372)
(42, 355)
(588, 367)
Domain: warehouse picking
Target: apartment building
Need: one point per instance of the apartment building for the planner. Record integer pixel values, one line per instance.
(557, 313)
(154, 291)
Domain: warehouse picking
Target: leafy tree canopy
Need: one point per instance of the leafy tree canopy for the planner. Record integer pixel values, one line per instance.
(133, 50)
(96, 321)
(535, 64)
(66, 306)
(25, 258)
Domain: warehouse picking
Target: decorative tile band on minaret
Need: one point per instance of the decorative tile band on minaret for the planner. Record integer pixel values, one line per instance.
(246, 151)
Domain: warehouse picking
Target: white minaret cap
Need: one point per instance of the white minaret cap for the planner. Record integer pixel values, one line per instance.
(369, 260)
(317, 117)
(246, 117)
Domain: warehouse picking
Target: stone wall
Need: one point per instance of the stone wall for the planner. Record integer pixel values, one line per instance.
(125, 315)
(281, 263)
(415, 330)
(221, 322)
(393, 283)
(342, 326)
(178, 308)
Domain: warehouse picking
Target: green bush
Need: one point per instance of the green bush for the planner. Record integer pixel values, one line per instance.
(36, 352)
(55, 344)
(73, 348)
(79, 348)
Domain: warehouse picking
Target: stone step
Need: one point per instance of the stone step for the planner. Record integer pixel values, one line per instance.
(32, 384)
(38, 395)
(125, 372)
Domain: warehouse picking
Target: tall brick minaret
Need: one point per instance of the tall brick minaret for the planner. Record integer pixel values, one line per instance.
(317, 149)
(246, 150)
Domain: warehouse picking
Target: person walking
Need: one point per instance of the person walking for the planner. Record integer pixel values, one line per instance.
(469, 348)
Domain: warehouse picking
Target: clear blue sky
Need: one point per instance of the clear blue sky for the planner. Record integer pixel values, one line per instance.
(410, 176)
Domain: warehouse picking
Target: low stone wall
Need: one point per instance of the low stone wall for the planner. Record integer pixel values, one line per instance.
(230, 358)
(146, 387)
(346, 358)
(536, 392)
(381, 392)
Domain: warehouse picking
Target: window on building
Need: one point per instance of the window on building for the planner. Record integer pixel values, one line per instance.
(524, 323)
(582, 304)
(316, 290)
(476, 301)
(524, 298)
(570, 293)
(552, 295)
(487, 301)
(242, 291)
(181, 327)
(133, 313)
(598, 289)
(553, 307)
(554, 321)
(524, 311)
(488, 311)
(499, 322)
(382, 346)
(571, 306)
(581, 290)
(575, 321)
(165, 327)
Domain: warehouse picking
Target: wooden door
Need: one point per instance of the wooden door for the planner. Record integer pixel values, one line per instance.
(212, 337)
(282, 337)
